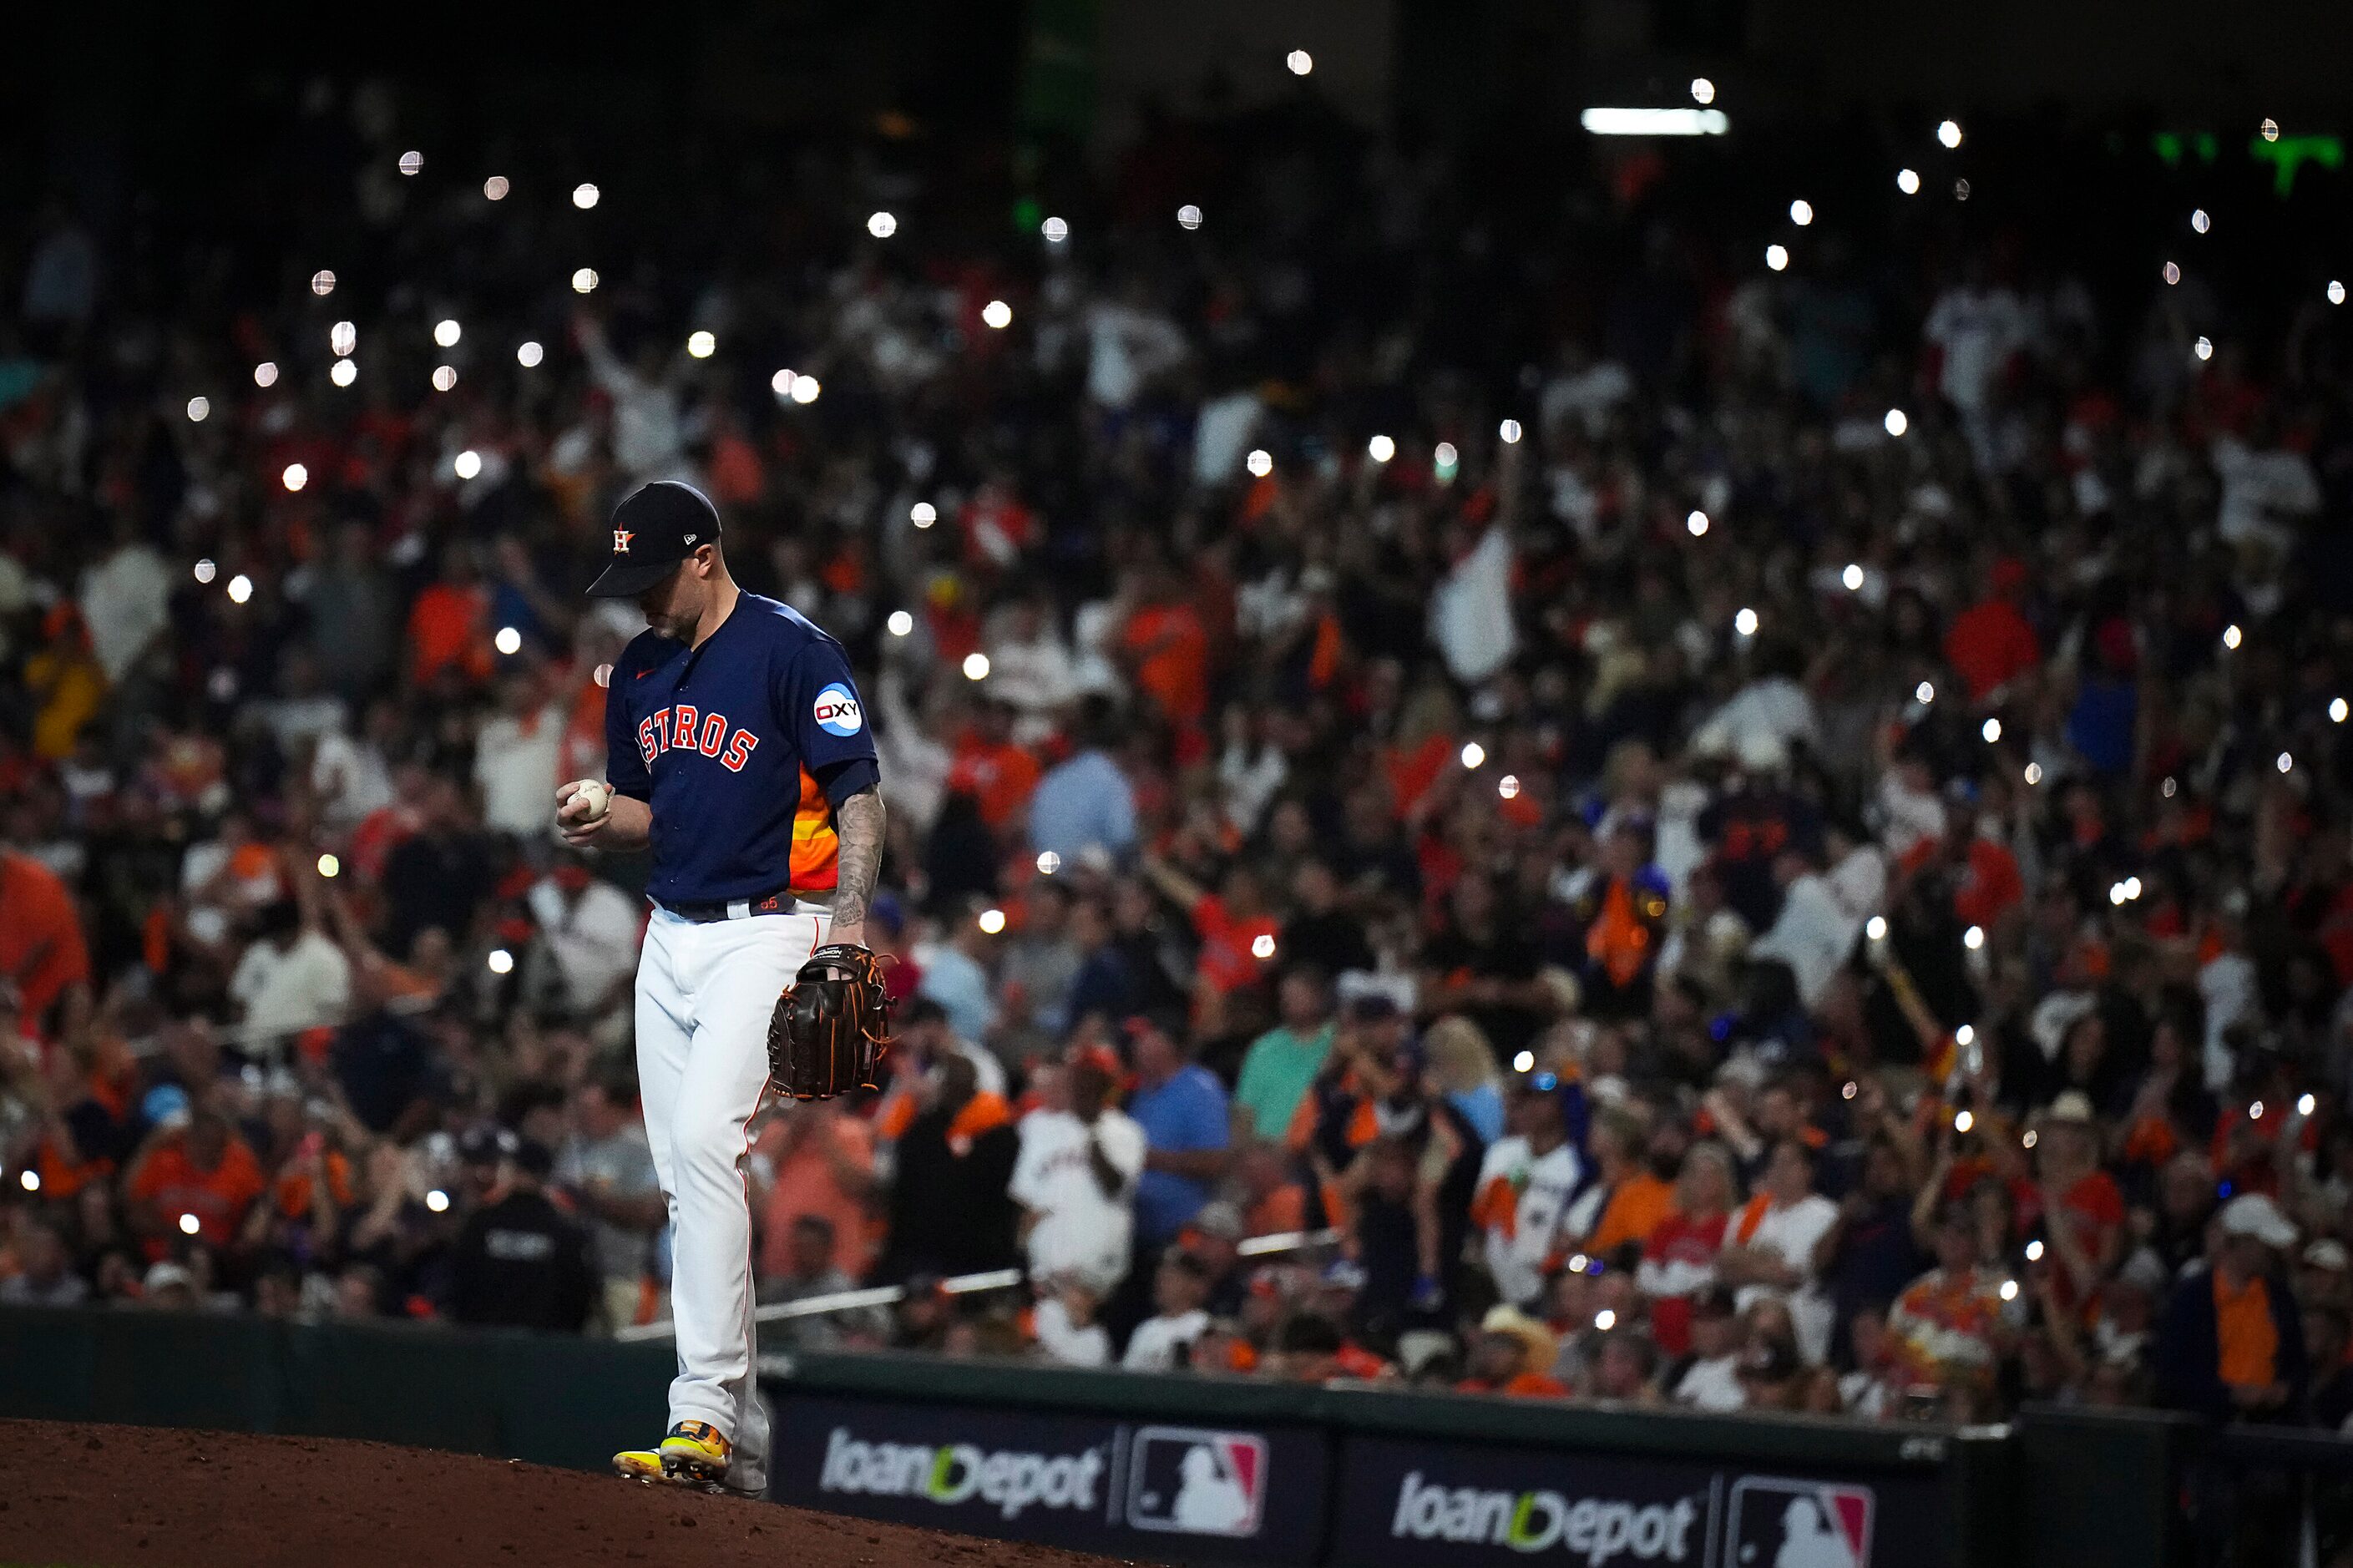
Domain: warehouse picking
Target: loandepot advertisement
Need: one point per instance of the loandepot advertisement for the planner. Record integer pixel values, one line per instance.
(1131, 1489)
(1421, 1502)
(1596, 1530)
(955, 1473)
(1170, 1492)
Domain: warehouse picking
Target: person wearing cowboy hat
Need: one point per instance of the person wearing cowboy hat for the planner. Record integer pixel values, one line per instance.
(2082, 1209)
(2231, 1343)
(1512, 1353)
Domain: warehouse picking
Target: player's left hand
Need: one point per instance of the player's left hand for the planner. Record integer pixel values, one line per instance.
(831, 1026)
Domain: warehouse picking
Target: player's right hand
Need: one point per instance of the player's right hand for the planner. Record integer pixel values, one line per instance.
(572, 819)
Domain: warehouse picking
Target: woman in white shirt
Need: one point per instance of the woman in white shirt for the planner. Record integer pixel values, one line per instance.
(1775, 1243)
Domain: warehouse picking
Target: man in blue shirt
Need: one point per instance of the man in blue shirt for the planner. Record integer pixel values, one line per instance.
(1181, 1107)
(954, 977)
(1085, 802)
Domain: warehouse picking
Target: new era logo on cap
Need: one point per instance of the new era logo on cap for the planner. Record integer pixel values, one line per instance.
(658, 526)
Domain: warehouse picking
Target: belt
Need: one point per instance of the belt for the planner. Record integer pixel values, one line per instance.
(777, 903)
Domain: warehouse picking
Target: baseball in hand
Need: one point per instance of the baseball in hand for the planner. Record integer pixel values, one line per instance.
(595, 798)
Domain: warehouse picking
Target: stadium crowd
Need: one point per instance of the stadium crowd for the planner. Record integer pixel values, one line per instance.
(1748, 839)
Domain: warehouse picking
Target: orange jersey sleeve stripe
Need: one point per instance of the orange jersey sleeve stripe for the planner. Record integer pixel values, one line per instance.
(815, 845)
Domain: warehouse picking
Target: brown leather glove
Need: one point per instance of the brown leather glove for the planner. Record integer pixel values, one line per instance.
(831, 1026)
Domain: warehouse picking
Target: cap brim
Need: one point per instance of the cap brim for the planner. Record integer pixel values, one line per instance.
(2270, 1232)
(628, 579)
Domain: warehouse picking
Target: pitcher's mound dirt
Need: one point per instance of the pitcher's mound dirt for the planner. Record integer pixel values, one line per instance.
(130, 1497)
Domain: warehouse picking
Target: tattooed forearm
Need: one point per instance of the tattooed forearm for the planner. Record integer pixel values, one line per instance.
(858, 822)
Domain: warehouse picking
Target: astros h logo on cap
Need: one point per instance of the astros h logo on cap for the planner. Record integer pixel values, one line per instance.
(655, 527)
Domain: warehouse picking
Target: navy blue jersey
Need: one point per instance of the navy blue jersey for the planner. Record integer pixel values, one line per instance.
(743, 747)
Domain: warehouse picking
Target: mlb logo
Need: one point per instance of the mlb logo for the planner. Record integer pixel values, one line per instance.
(1196, 1481)
(1779, 1524)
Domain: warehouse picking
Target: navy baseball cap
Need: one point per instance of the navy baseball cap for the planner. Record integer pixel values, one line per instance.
(655, 528)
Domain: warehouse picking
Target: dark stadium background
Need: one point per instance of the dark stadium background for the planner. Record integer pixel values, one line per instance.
(185, 136)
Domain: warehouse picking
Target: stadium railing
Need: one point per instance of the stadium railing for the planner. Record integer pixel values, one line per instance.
(985, 1281)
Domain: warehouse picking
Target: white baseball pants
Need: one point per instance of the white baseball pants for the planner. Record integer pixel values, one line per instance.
(705, 992)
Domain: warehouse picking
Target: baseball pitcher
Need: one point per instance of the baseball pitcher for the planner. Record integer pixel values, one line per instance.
(738, 752)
